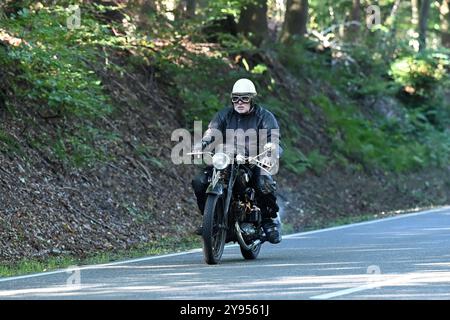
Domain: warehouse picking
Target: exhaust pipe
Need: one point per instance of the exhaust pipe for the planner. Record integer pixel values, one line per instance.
(241, 239)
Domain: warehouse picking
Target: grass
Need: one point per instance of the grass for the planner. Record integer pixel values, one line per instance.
(341, 221)
(169, 245)
(54, 79)
(9, 143)
(288, 228)
(320, 224)
(164, 246)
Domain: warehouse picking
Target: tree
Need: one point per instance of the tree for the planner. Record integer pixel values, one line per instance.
(423, 20)
(185, 9)
(415, 12)
(355, 21)
(145, 5)
(444, 10)
(190, 8)
(295, 20)
(253, 21)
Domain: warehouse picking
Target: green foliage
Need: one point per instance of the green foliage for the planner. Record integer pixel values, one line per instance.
(420, 75)
(57, 76)
(8, 143)
(223, 7)
(359, 71)
(293, 159)
(205, 91)
(304, 59)
(424, 80)
(316, 161)
(145, 153)
(160, 246)
(80, 150)
(259, 69)
(219, 8)
(202, 104)
(235, 44)
(55, 79)
(376, 147)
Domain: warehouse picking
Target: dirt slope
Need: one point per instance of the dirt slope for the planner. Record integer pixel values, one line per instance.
(47, 208)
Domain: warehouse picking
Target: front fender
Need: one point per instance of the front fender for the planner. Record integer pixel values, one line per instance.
(216, 189)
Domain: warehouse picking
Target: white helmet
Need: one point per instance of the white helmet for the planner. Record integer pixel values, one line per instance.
(243, 86)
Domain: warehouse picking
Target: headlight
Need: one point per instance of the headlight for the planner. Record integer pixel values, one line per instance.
(220, 160)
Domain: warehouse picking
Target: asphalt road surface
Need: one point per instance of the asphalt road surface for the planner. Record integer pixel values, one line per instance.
(405, 257)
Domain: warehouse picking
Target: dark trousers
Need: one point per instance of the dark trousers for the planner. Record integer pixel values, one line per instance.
(264, 185)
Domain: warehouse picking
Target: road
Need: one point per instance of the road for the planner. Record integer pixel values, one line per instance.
(404, 257)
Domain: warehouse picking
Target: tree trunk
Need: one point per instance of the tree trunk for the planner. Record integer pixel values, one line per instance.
(445, 23)
(253, 21)
(190, 8)
(423, 19)
(295, 20)
(178, 11)
(355, 20)
(415, 12)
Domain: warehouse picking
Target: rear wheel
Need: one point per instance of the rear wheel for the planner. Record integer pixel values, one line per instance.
(251, 254)
(214, 229)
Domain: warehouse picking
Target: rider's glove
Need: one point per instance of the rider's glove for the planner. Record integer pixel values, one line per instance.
(270, 146)
(270, 164)
(267, 162)
(240, 159)
(198, 147)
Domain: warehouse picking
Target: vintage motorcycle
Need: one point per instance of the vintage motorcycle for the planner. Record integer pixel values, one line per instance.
(231, 212)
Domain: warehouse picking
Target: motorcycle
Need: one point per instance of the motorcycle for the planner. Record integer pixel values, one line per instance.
(231, 211)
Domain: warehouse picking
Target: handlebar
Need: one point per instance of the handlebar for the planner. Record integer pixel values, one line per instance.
(252, 160)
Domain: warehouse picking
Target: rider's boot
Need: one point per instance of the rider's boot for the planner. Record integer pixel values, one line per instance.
(272, 229)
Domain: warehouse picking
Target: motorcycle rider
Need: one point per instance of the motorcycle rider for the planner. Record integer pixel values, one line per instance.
(245, 114)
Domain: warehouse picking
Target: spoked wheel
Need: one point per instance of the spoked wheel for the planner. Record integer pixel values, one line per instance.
(214, 230)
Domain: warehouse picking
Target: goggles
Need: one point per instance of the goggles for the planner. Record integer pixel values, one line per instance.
(244, 99)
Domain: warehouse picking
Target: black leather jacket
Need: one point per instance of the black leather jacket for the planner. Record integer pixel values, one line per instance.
(258, 118)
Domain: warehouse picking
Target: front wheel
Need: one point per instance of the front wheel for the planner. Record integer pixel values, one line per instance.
(214, 229)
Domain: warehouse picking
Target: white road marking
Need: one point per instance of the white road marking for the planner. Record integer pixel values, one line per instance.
(98, 266)
(405, 215)
(420, 278)
(372, 285)
(443, 209)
